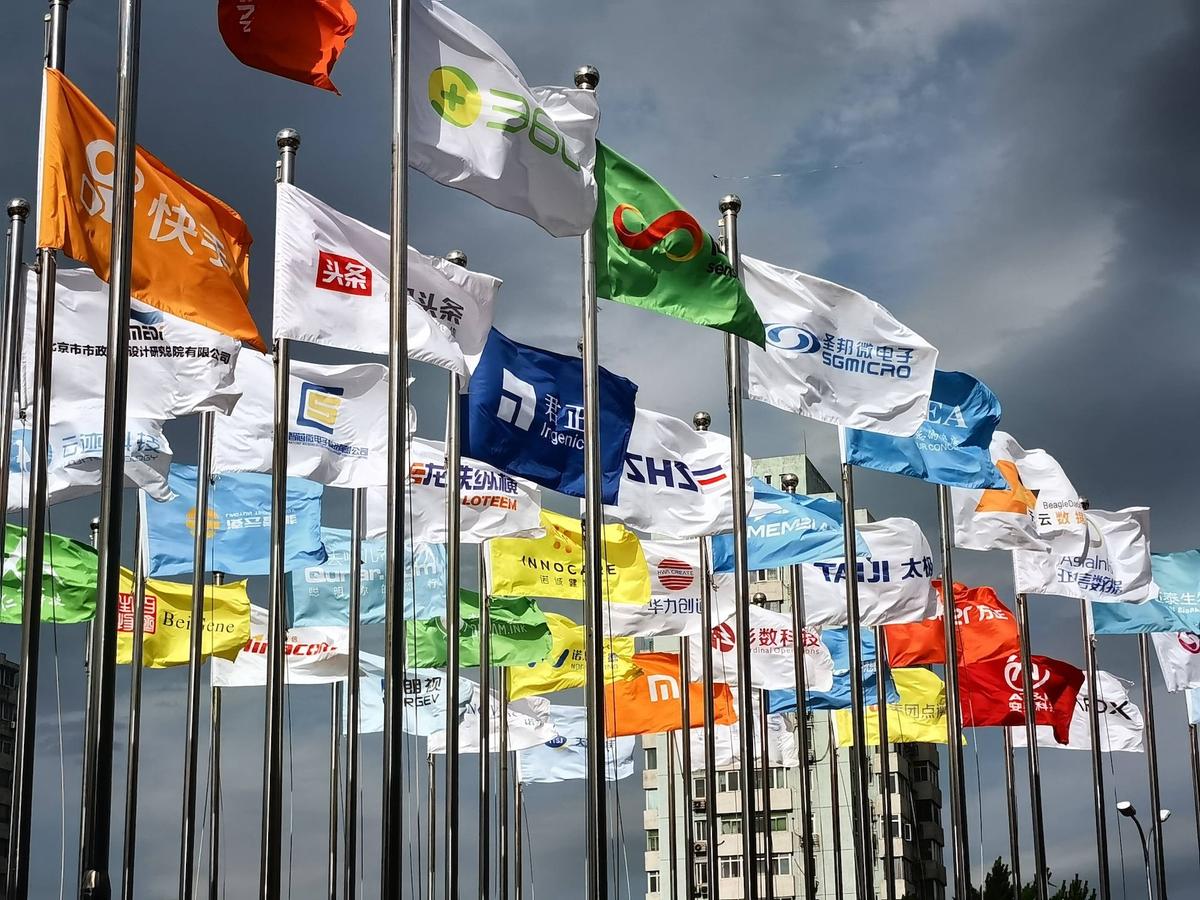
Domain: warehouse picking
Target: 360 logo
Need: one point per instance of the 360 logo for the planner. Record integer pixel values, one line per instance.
(658, 231)
(795, 338)
(454, 95)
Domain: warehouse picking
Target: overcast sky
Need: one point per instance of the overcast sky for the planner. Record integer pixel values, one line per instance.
(1017, 181)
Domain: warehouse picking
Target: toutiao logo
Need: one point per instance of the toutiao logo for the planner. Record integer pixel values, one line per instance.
(658, 231)
(319, 406)
(795, 338)
(454, 95)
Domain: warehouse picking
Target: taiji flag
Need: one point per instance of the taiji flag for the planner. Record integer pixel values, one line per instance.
(474, 124)
(676, 602)
(69, 570)
(191, 252)
(311, 656)
(1121, 723)
(296, 39)
(528, 725)
(520, 635)
(919, 716)
(650, 702)
(772, 653)
(1179, 658)
(565, 667)
(564, 757)
(727, 742)
(986, 629)
(167, 621)
(835, 356)
(992, 693)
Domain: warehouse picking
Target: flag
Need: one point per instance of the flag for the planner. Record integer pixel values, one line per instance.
(676, 603)
(1121, 723)
(839, 696)
(528, 724)
(991, 693)
(524, 413)
(191, 252)
(553, 566)
(1109, 563)
(478, 127)
(68, 578)
(895, 584)
(772, 653)
(423, 695)
(1193, 706)
(1039, 502)
(297, 40)
(1176, 608)
(239, 525)
(1179, 658)
(564, 757)
(520, 635)
(677, 482)
(331, 288)
(950, 447)
(835, 356)
(337, 422)
(650, 703)
(319, 593)
(565, 667)
(919, 716)
(176, 367)
(652, 253)
(727, 743)
(311, 655)
(986, 630)
(167, 621)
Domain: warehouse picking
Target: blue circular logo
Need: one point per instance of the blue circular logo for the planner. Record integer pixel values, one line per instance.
(795, 338)
(556, 742)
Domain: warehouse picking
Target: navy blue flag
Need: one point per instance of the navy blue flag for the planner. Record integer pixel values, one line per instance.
(524, 414)
(838, 697)
(950, 447)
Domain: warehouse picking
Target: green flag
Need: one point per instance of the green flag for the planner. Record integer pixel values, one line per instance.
(520, 634)
(652, 254)
(69, 570)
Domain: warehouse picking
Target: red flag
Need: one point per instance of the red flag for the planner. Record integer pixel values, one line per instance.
(650, 703)
(298, 39)
(991, 693)
(987, 630)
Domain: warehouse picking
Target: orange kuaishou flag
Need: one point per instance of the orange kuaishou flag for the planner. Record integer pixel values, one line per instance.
(651, 703)
(191, 252)
(298, 39)
(987, 630)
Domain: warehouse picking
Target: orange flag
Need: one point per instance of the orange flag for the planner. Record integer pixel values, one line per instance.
(191, 252)
(650, 703)
(987, 630)
(298, 39)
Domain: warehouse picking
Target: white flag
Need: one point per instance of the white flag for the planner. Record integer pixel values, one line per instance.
(337, 422)
(1179, 657)
(677, 482)
(331, 288)
(528, 725)
(1121, 724)
(474, 124)
(1108, 563)
(564, 757)
(675, 606)
(895, 584)
(727, 742)
(311, 655)
(771, 653)
(834, 355)
(423, 693)
(176, 367)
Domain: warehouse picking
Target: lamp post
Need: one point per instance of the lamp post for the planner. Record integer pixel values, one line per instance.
(1125, 808)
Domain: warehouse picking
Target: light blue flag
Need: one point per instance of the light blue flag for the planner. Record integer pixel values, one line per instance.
(950, 447)
(1177, 607)
(838, 697)
(239, 525)
(803, 529)
(320, 594)
(424, 698)
(565, 757)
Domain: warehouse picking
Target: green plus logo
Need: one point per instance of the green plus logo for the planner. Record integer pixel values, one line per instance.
(454, 95)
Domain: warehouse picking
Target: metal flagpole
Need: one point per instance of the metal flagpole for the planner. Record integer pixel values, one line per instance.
(672, 836)
(701, 421)
(353, 697)
(335, 784)
(14, 315)
(730, 206)
(431, 786)
(1014, 838)
(502, 794)
(1194, 752)
(214, 785)
(1156, 822)
(1089, 655)
(132, 759)
(519, 824)
(882, 674)
(1035, 775)
(485, 735)
(271, 861)
(958, 783)
(685, 752)
(760, 599)
(835, 806)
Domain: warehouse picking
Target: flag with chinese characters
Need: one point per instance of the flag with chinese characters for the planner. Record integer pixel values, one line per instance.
(651, 702)
(167, 621)
(68, 578)
(676, 598)
(296, 39)
(1176, 608)
(772, 653)
(986, 628)
(564, 757)
(837, 640)
(919, 716)
(191, 252)
(992, 693)
(565, 667)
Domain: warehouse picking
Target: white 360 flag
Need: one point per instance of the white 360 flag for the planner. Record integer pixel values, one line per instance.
(474, 124)
(834, 355)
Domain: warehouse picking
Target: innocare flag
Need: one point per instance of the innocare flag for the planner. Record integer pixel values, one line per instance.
(1121, 724)
(69, 570)
(1179, 657)
(474, 124)
(834, 355)
(564, 757)
(676, 603)
(311, 655)
(772, 653)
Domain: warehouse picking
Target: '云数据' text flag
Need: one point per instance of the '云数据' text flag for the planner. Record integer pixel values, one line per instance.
(918, 717)
(68, 578)
(191, 252)
(565, 667)
(986, 630)
(520, 634)
(651, 702)
(296, 39)
(992, 693)
(167, 621)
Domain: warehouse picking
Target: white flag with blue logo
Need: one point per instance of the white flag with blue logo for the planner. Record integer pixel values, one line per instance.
(528, 725)
(834, 355)
(564, 756)
(424, 698)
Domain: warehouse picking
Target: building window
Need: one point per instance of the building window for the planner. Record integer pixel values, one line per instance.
(922, 771)
(729, 780)
(701, 873)
(928, 811)
(759, 575)
(700, 829)
(6, 746)
(651, 758)
(653, 882)
(698, 788)
(781, 864)
(652, 799)
(779, 823)
(652, 840)
(731, 867)
(902, 829)
(731, 824)
(779, 777)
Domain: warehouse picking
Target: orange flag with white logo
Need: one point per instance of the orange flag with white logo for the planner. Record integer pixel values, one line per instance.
(297, 39)
(191, 252)
(987, 629)
(650, 703)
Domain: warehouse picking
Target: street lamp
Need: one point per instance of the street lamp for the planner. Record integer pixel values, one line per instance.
(1125, 808)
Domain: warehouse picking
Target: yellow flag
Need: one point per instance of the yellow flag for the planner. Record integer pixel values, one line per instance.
(566, 665)
(168, 621)
(553, 566)
(919, 717)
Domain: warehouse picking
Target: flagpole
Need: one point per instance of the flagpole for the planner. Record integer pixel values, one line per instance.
(1194, 752)
(1014, 839)
(133, 756)
(685, 751)
(14, 309)
(519, 823)
(1089, 655)
(954, 727)
(335, 783)
(672, 836)
(835, 806)
(790, 482)
(271, 860)
(1035, 775)
(760, 599)
(431, 788)
(730, 206)
(882, 674)
(502, 795)
(1160, 862)
(214, 784)
(485, 737)
(353, 697)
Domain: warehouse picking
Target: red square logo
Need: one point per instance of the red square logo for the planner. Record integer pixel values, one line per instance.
(125, 614)
(343, 274)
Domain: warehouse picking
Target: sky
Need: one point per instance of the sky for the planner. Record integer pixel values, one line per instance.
(1016, 181)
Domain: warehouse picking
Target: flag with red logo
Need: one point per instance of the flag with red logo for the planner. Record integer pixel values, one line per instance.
(772, 653)
(991, 693)
(1179, 657)
(676, 595)
(987, 629)
(312, 655)
(296, 39)
(650, 703)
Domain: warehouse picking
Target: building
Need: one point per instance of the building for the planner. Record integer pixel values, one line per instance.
(8, 737)
(914, 786)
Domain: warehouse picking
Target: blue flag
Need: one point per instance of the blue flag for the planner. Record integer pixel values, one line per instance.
(1176, 609)
(805, 529)
(838, 697)
(524, 413)
(950, 447)
(320, 594)
(239, 524)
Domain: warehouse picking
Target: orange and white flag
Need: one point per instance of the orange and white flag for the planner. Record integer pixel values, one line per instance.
(296, 39)
(651, 703)
(191, 252)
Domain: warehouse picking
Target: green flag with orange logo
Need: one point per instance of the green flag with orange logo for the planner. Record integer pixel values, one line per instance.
(653, 254)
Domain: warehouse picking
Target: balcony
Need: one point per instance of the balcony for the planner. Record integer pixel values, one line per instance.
(931, 831)
(933, 870)
(927, 790)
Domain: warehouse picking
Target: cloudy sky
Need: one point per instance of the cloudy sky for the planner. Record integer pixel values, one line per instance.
(1017, 181)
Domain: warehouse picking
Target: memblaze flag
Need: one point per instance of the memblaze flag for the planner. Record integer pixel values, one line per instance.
(564, 757)
(312, 655)
(834, 355)
(1179, 658)
(675, 606)
(986, 628)
(1121, 724)
(992, 693)
(772, 653)
(331, 288)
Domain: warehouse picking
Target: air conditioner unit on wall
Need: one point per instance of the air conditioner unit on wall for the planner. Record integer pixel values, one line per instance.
(700, 848)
